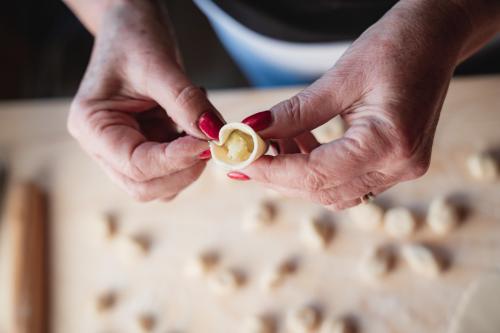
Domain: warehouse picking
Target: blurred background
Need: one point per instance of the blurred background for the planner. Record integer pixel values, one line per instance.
(45, 50)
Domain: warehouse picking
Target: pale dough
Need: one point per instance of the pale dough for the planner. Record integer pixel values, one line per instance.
(259, 324)
(337, 325)
(304, 319)
(259, 216)
(331, 130)
(399, 222)
(203, 263)
(317, 232)
(368, 216)
(227, 280)
(483, 167)
(376, 262)
(421, 259)
(442, 216)
(279, 274)
(238, 146)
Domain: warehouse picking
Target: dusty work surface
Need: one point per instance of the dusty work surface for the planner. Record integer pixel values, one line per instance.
(209, 215)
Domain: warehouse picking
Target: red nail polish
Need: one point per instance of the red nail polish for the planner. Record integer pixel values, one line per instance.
(205, 155)
(210, 124)
(259, 121)
(237, 175)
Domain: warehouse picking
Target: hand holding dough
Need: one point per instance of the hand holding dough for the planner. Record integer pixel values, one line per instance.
(238, 146)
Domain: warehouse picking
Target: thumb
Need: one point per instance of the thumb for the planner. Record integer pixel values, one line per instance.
(186, 103)
(302, 112)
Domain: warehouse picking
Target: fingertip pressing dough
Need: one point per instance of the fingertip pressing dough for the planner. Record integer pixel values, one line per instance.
(279, 274)
(483, 166)
(421, 259)
(227, 280)
(304, 319)
(317, 232)
(376, 262)
(259, 216)
(399, 222)
(442, 216)
(259, 324)
(337, 325)
(238, 146)
(368, 216)
(203, 263)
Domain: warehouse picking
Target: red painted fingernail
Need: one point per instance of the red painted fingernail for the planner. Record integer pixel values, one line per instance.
(238, 175)
(205, 155)
(210, 124)
(259, 121)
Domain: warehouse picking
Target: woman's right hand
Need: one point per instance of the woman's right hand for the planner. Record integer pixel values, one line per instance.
(133, 100)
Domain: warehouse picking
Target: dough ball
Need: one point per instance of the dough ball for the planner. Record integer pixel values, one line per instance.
(106, 301)
(368, 216)
(442, 216)
(317, 232)
(203, 263)
(146, 322)
(279, 274)
(259, 216)
(399, 222)
(483, 166)
(421, 260)
(376, 262)
(304, 319)
(259, 324)
(337, 325)
(227, 280)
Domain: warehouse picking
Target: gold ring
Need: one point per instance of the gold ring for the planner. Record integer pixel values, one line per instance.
(367, 197)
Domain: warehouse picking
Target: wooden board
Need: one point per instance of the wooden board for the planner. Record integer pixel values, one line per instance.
(209, 214)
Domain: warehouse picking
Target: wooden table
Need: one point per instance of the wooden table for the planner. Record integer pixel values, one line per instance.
(34, 143)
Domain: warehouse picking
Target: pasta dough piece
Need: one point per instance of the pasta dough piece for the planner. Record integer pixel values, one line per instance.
(259, 216)
(238, 146)
(106, 301)
(399, 222)
(442, 216)
(259, 324)
(376, 262)
(421, 259)
(317, 232)
(304, 319)
(368, 216)
(227, 280)
(203, 263)
(331, 130)
(337, 325)
(146, 322)
(279, 274)
(483, 167)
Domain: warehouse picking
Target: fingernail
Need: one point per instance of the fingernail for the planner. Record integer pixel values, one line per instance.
(259, 121)
(238, 175)
(210, 124)
(205, 155)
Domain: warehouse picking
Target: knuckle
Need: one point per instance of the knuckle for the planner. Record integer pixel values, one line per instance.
(313, 181)
(293, 108)
(187, 94)
(326, 198)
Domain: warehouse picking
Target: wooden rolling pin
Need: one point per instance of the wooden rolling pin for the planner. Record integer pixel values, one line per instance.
(26, 215)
